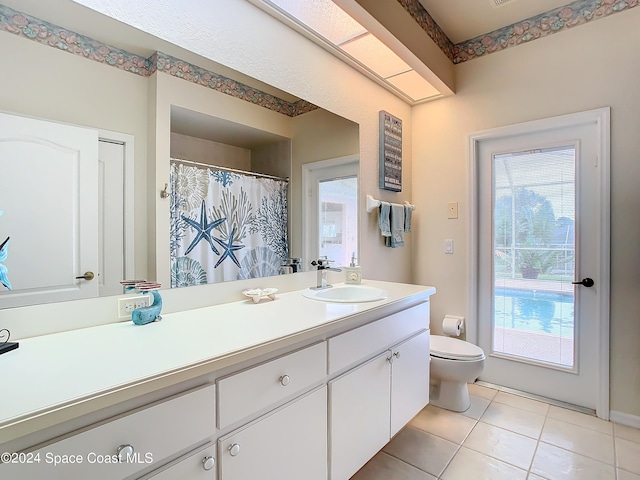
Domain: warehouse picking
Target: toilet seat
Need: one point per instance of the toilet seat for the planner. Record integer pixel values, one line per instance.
(454, 349)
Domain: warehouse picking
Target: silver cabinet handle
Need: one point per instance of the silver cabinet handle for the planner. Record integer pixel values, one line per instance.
(234, 449)
(284, 380)
(397, 354)
(208, 463)
(125, 452)
(390, 357)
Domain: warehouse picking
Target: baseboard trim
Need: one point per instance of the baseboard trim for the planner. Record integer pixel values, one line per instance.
(624, 419)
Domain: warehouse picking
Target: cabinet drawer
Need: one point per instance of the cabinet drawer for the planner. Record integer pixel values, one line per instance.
(247, 392)
(154, 433)
(363, 342)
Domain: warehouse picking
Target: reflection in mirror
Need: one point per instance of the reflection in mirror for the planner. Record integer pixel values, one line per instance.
(228, 205)
(226, 224)
(113, 78)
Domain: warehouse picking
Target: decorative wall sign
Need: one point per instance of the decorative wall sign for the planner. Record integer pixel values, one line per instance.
(390, 152)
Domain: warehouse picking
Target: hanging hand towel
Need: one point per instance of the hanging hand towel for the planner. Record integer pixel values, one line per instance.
(408, 211)
(384, 220)
(397, 226)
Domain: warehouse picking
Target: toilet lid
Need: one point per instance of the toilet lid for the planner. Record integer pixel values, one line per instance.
(454, 349)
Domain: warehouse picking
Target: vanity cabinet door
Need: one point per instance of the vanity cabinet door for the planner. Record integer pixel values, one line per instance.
(289, 443)
(359, 405)
(198, 465)
(409, 380)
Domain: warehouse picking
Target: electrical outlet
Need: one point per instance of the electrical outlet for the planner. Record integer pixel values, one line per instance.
(452, 210)
(129, 304)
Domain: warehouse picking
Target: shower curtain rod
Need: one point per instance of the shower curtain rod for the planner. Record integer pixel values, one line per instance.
(236, 170)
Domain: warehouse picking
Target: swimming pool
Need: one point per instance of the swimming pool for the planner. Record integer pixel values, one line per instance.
(541, 312)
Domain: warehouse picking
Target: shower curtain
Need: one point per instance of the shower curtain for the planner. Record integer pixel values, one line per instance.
(225, 225)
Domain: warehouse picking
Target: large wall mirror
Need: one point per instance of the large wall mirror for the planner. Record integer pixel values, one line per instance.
(150, 102)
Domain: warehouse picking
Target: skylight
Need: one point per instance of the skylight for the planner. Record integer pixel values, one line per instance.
(339, 32)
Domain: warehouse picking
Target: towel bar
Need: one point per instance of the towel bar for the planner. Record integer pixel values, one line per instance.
(372, 204)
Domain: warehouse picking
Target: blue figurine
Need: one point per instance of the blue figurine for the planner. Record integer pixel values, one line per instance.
(3, 257)
(144, 315)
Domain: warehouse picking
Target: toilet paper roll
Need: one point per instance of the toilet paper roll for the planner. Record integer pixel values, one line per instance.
(452, 326)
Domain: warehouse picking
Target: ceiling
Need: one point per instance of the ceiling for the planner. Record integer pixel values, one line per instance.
(465, 19)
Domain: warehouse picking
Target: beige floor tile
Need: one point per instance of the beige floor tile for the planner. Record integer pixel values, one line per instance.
(584, 441)
(477, 408)
(527, 404)
(480, 391)
(555, 463)
(624, 475)
(422, 450)
(443, 423)
(386, 467)
(581, 419)
(514, 419)
(468, 464)
(628, 455)
(628, 433)
(502, 444)
(535, 477)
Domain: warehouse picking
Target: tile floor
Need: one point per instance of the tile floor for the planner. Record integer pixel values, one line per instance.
(507, 437)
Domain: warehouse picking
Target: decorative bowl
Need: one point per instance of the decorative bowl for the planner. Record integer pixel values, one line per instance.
(257, 294)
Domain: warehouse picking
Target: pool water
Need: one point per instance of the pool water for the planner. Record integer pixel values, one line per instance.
(529, 311)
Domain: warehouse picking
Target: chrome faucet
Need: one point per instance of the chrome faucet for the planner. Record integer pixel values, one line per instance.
(323, 265)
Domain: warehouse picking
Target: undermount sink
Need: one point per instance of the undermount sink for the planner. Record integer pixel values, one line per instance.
(347, 294)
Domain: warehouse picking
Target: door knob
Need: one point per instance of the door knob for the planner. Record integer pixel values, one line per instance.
(585, 282)
(87, 276)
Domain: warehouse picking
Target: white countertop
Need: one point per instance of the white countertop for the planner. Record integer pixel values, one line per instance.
(55, 372)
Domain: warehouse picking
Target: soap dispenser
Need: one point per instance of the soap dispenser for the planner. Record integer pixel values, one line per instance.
(353, 273)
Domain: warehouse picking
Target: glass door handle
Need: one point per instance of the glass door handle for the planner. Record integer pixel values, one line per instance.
(585, 282)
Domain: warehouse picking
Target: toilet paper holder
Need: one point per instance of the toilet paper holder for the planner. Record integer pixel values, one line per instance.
(453, 325)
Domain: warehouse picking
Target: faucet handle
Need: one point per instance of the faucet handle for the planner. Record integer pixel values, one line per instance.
(322, 262)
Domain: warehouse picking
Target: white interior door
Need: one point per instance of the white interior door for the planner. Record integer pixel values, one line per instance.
(111, 207)
(48, 178)
(543, 188)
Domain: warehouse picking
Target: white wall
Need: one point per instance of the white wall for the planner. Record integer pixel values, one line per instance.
(591, 66)
(186, 147)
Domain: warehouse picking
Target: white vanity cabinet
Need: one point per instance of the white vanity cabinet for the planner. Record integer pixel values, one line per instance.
(267, 393)
(372, 401)
(409, 380)
(120, 448)
(359, 406)
(288, 443)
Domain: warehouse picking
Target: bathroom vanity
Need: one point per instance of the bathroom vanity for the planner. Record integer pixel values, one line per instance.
(285, 389)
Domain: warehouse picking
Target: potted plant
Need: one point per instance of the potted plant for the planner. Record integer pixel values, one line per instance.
(530, 230)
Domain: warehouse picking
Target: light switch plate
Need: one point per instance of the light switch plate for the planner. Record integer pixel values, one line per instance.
(448, 246)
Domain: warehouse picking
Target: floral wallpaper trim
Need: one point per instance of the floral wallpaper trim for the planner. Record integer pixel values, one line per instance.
(54, 36)
(575, 13)
(429, 25)
(200, 76)
(45, 33)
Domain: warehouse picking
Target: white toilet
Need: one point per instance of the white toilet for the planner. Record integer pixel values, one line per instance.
(454, 363)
